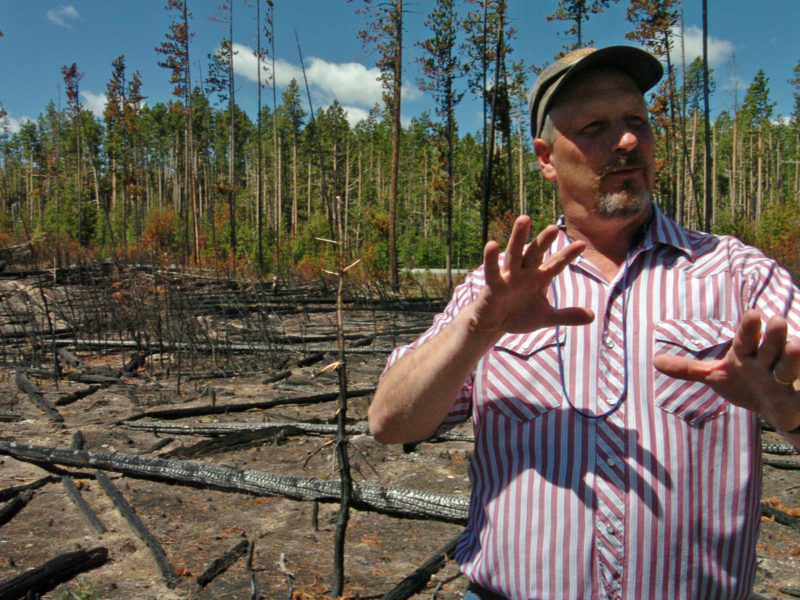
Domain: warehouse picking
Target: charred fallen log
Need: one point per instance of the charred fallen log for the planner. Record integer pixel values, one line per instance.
(10, 510)
(44, 578)
(193, 411)
(399, 502)
(25, 385)
(780, 516)
(10, 492)
(78, 395)
(80, 502)
(9, 417)
(778, 463)
(168, 572)
(419, 578)
(289, 428)
(223, 563)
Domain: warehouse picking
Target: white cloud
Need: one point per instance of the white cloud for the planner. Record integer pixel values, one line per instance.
(14, 125)
(62, 15)
(718, 50)
(94, 102)
(355, 114)
(350, 83)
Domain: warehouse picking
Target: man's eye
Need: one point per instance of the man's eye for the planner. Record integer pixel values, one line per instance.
(593, 127)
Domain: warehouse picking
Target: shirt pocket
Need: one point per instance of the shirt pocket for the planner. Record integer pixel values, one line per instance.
(520, 376)
(706, 339)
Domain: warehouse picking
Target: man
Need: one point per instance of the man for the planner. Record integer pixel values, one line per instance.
(615, 370)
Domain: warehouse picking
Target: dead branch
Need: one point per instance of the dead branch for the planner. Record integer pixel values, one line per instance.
(9, 417)
(44, 578)
(69, 359)
(168, 572)
(289, 428)
(10, 510)
(780, 516)
(179, 413)
(78, 395)
(214, 429)
(12, 491)
(779, 463)
(223, 563)
(419, 578)
(25, 385)
(399, 502)
(80, 502)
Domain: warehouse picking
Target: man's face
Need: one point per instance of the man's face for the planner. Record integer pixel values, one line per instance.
(601, 155)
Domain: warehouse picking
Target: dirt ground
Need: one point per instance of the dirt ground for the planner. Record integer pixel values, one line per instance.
(292, 558)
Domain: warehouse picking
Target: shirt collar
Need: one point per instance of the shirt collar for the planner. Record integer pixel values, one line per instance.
(660, 230)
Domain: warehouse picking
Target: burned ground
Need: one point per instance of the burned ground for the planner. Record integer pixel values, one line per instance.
(141, 343)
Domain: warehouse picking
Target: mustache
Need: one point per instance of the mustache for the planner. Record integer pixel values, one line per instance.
(633, 158)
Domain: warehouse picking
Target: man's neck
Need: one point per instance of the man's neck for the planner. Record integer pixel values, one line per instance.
(607, 240)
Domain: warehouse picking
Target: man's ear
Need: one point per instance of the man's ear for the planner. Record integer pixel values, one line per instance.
(542, 150)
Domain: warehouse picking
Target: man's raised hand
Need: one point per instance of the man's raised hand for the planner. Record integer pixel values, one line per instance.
(514, 299)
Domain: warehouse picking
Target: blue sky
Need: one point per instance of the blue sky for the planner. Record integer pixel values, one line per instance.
(41, 36)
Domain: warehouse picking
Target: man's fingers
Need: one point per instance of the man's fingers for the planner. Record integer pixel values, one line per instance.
(491, 268)
(558, 261)
(572, 316)
(682, 367)
(537, 248)
(772, 347)
(748, 334)
(788, 366)
(516, 243)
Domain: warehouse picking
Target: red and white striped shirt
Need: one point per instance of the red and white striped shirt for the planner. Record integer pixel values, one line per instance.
(659, 499)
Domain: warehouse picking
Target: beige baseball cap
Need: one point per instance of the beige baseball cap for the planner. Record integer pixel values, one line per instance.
(644, 68)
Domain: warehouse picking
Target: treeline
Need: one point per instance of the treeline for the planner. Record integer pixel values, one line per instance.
(199, 182)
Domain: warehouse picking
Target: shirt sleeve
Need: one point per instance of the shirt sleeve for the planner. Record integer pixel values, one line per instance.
(464, 294)
(769, 288)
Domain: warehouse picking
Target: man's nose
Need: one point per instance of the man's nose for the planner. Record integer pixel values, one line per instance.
(625, 140)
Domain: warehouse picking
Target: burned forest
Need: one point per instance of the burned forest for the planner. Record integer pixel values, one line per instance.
(171, 433)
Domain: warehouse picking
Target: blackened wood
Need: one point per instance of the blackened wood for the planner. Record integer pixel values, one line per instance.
(223, 563)
(68, 357)
(99, 378)
(781, 463)
(226, 443)
(10, 492)
(77, 441)
(178, 413)
(419, 578)
(160, 444)
(136, 361)
(226, 429)
(310, 359)
(77, 498)
(276, 376)
(78, 395)
(168, 572)
(395, 501)
(25, 385)
(9, 417)
(290, 428)
(8, 511)
(60, 569)
(780, 516)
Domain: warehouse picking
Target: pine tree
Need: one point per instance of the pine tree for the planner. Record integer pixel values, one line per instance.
(442, 64)
(385, 32)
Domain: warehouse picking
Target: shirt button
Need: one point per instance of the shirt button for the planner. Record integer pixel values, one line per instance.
(610, 529)
(611, 462)
(609, 343)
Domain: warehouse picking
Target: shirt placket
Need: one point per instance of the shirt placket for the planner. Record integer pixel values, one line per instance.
(609, 476)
